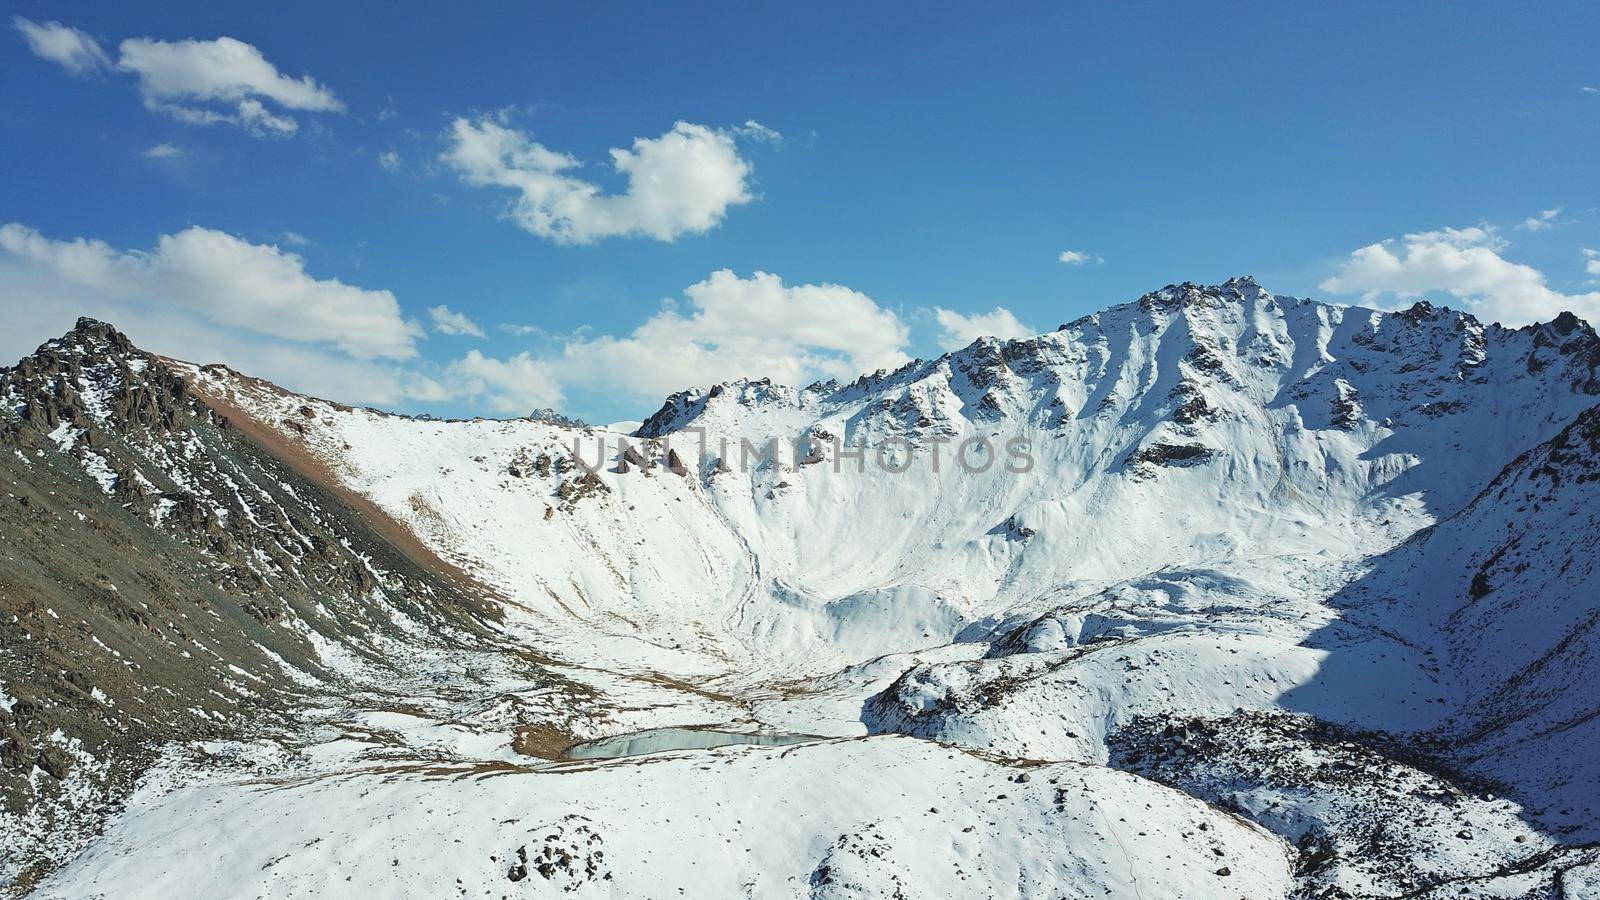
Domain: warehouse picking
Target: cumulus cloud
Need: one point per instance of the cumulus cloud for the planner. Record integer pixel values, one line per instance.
(726, 327)
(733, 327)
(389, 161)
(448, 321)
(217, 277)
(682, 182)
(222, 80)
(515, 386)
(1077, 257)
(194, 81)
(163, 151)
(68, 47)
(207, 296)
(1591, 264)
(957, 330)
(1465, 263)
(1545, 218)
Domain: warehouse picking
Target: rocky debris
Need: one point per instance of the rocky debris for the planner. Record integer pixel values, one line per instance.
(541, 741)
(1208, 356)
(525, 463)
(1014, 530)
(575, 489)
(55, 761)
(815, 445)
(1160, 454)
(632, 457)
(519, 871)
(1370, 815)
(676, 465)
(569, 854)
(1192, 407)
(1346, 406)
(858, 864)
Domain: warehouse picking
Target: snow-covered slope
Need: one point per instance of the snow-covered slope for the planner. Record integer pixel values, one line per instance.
(1191, 426)
(1215, 530)
(1508, 593)
(884, 817)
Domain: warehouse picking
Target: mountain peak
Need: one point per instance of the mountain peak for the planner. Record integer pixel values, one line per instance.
(87, 336)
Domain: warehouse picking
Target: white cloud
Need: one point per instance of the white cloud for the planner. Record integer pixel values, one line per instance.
(198, 82)
(682, 182)
(163, 151)
(295, 239)
(518, 329)
(1590, 89)
(957, 330)
(254, 118)
(1591, 264)
(755, 327)
(515, 386)
(448, 321)
(219, 278)
(1546, 218)
(729, 327)
(756, 131)
(224, 70)
(208, 296)
(199, 296)
(389, 161)
(68, 47)
(1077, 257)
(1464, 263)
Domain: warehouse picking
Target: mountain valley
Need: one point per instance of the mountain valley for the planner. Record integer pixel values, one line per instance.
(1215, 593)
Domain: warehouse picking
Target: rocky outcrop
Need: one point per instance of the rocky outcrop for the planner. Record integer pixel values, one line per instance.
(167, 578)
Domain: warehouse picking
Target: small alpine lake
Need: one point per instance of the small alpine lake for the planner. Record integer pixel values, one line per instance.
(660, 740)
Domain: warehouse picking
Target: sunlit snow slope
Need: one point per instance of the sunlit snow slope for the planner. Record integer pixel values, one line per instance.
(1194, 427)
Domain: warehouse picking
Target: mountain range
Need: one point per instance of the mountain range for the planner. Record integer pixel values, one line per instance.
(1213, 593)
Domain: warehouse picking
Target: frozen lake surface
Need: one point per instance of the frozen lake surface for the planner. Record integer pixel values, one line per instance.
(662, 739)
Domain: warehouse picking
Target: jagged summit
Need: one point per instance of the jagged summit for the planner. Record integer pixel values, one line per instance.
(1197, 352)
(1208, 311)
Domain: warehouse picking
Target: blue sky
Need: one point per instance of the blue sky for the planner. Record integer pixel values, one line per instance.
(932, 158)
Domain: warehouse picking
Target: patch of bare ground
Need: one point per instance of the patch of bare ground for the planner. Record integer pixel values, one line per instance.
(541, 741)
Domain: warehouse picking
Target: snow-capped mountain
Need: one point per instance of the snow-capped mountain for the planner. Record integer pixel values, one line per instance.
(1322, 568)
